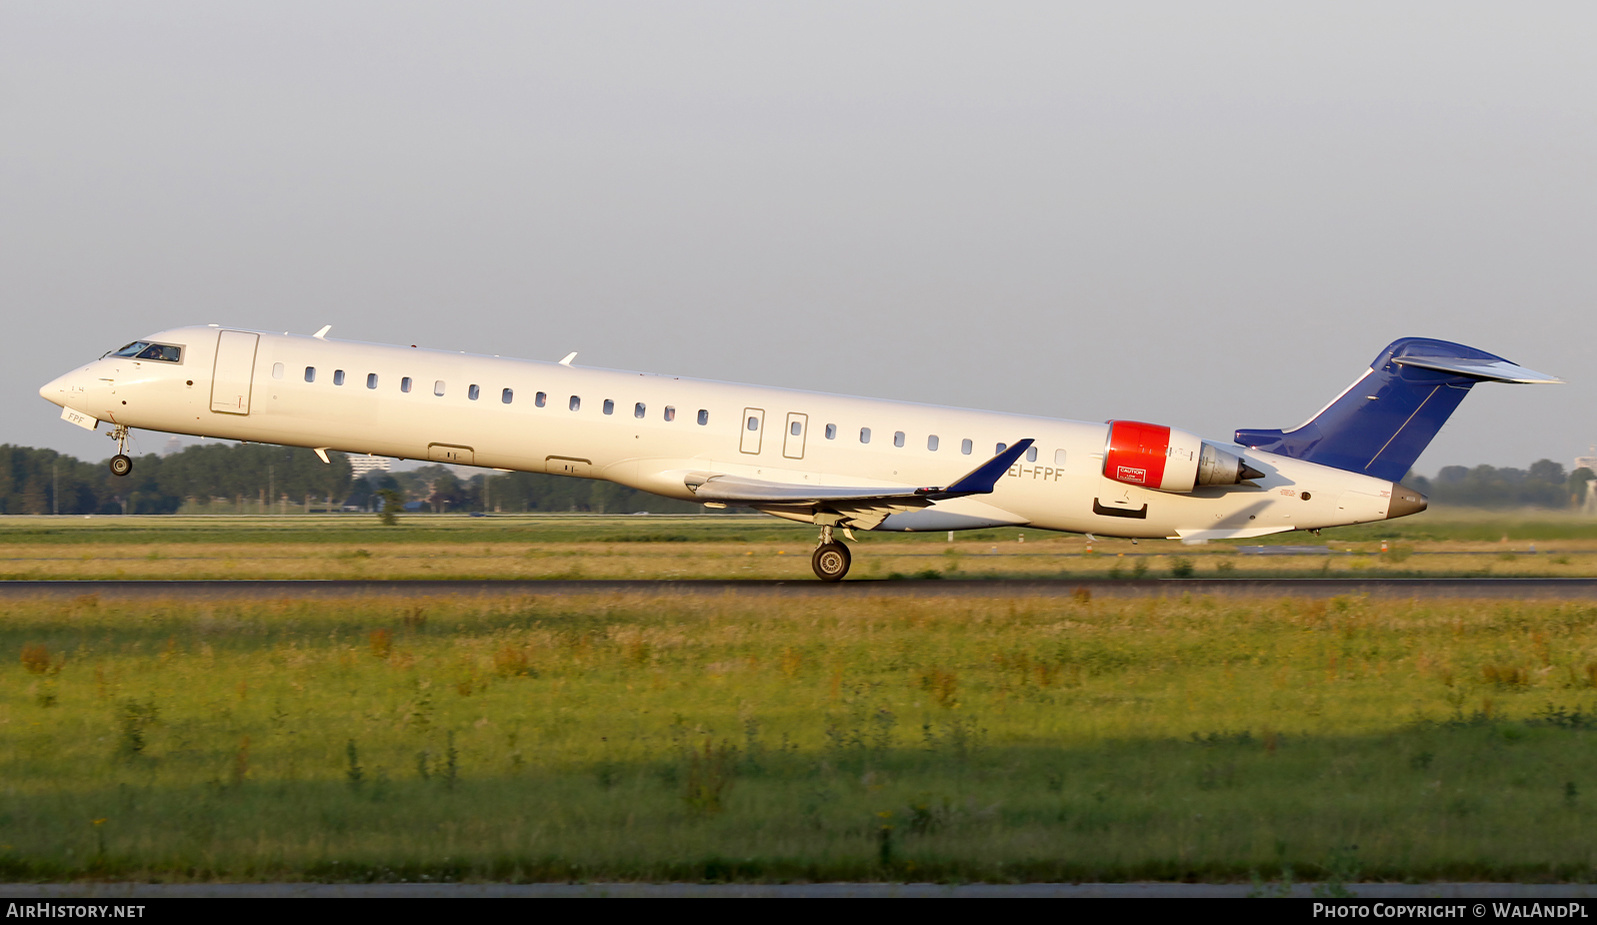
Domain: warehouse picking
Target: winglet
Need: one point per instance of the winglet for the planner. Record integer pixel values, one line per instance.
(322, 334)
(980, 480)
(569, 357)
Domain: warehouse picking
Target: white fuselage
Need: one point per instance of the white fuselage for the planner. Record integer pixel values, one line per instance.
(653, 431)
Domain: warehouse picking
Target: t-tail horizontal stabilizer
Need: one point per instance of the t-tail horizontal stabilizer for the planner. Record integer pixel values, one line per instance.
(1382, 423)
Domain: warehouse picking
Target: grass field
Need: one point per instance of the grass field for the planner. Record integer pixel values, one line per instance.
(732, 547)
(698, 737)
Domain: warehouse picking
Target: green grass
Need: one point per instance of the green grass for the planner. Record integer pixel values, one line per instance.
(700, 737)
(740, 547)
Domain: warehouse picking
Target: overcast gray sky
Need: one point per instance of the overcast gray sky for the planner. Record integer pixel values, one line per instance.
(1208, 215)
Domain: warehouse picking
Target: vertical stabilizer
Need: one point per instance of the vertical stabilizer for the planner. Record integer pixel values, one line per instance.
(1382, 423)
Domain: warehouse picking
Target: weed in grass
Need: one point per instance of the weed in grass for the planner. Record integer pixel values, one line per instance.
(1116, 570)
(1571, 793)
(943, 687)
(133, 718)
(884, 838)
(36, 660)
(1281, 889)
(1419, 761)
(423, 770)
(710, 772)
(511, 661)
(241, 762)
(353, 773)
(1340, 868)
(1181, 567)
(1139, 568)
(451, 762)
(1505, 675)
(1225, 567)
(414, 619)
(1396, 554)
(1081, 595)
(381, 642)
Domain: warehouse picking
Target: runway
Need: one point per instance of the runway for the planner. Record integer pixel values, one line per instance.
(1475, 588)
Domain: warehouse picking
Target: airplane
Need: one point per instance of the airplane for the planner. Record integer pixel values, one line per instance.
(833, 461)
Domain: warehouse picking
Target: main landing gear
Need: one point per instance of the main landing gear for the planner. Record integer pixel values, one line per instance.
(831, 558)
(121, 463)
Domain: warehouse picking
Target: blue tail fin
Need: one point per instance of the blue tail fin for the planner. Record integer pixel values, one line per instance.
(1386, 419)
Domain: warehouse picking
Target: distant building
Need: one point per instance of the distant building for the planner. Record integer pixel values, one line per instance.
(1588, 505)
(360, 465)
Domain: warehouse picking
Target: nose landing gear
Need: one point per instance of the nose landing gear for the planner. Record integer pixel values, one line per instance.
(831, 558)
(121, 463)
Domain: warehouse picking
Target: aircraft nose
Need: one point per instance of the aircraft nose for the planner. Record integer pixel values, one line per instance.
(56, 390)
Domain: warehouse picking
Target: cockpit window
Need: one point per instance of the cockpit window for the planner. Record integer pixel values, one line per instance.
(144, 350)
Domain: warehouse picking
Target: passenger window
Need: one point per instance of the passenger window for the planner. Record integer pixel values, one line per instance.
(1031, 454)
(338, 377)
(831, 431)
(371, 380)
(541, 399)
(438, 387)
(310, 374)
(865, 435)
(931, 443)
(1059, 457)
(472, 391)
(670, 413)
(506, 396)
(965, 446)
(704, 417)
(609, 406)
(796, 429)
(575, 403)
(754, 423)
(404, 384)
(1001, 447)
(898, 438)
(638, 411)
(277, 370)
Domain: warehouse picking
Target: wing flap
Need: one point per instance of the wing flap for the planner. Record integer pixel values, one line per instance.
(736, 489)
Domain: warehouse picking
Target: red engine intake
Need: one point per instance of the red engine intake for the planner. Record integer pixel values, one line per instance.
(1164, 459)
(1137, 453)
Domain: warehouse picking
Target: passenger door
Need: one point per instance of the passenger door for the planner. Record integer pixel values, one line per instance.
(234, 372)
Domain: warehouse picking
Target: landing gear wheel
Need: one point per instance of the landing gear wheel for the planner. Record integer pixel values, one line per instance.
(830, 561)
(121, 465)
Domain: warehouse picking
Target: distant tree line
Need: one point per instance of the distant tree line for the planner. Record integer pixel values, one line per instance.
(253, 478)
(1545, 484)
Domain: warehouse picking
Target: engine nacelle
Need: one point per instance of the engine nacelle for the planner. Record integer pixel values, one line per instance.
(1166, 459)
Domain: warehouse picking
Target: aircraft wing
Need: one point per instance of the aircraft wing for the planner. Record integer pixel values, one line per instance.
(734, 489)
